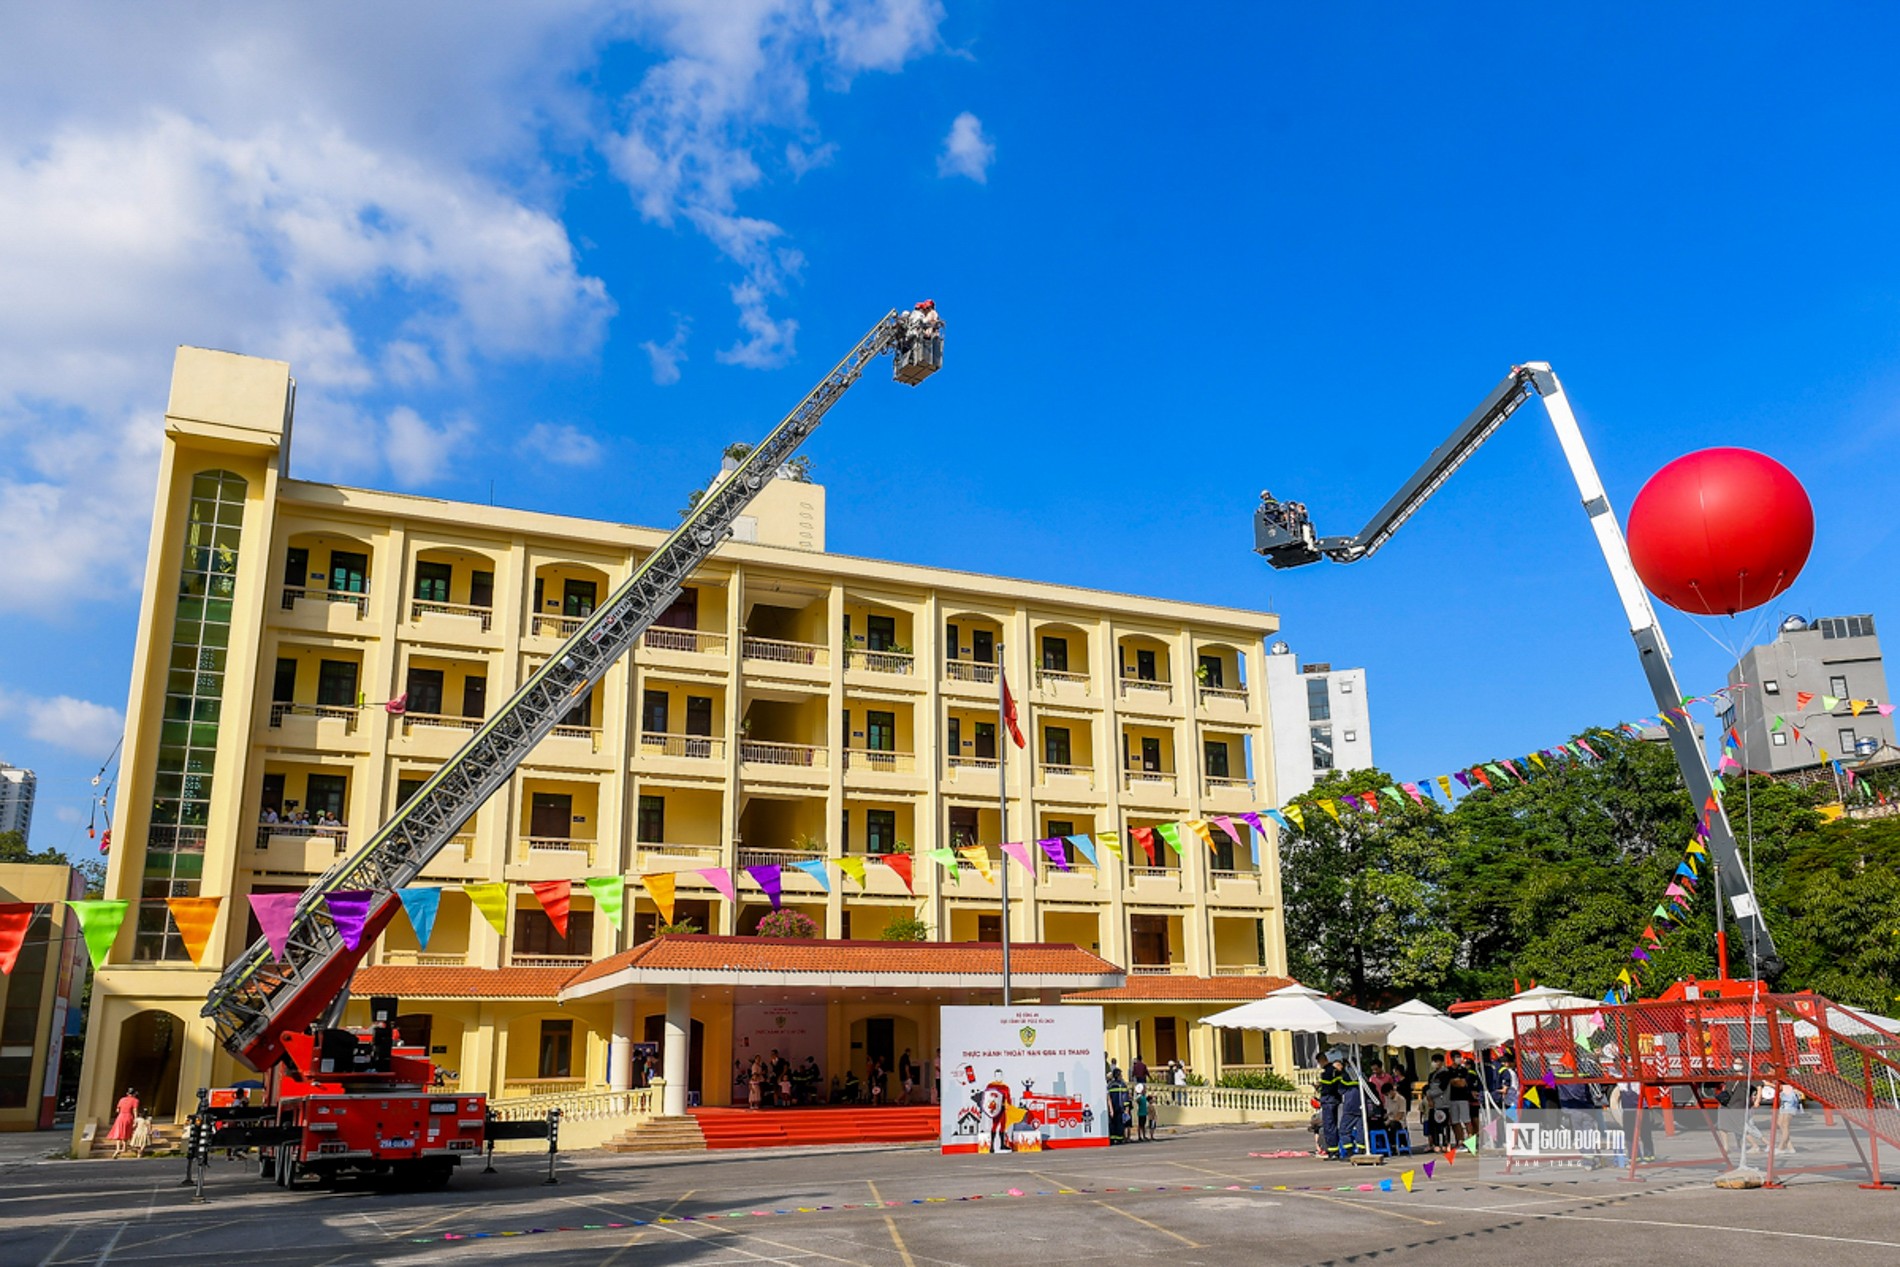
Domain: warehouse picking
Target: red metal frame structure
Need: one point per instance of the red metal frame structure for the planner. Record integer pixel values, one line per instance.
(1681, 1050)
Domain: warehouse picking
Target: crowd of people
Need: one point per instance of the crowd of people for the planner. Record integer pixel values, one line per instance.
(301, 817)
(774, 1081)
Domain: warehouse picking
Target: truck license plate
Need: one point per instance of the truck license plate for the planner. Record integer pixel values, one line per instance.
(399, 1143)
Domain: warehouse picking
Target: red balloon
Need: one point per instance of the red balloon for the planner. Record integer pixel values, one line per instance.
(1720, 531)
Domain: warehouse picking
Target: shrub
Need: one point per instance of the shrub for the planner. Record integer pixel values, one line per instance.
(684, 926)
(1255, 1080)
(784, 923)
(905, 928)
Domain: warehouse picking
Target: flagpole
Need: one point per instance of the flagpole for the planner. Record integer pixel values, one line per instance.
(1002, 801)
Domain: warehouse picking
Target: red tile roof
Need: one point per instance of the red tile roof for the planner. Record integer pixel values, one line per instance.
(1182, 989)
(407, 982)
(705, 953)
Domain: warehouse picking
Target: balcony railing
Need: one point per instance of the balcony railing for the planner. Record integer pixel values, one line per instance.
(533, 847)
(544, 626)
(880, 661)
(772, 649)
(423, 959)
(1132, 686)
(546, 961)
(1241, 970)
(176, 839)
(1221, 783)
(338, 834)
(764, 752)
(692, 641)
(969, 671)
(358, 599)
(879, 761)
(953, 764)
(1150, 969)
(329, 712)
(690, 747)
(589, 735)
(1153, 873)
(440, 721)
(674, 851)
(1048, 773)
(1222, 694)
(1150, 779)
(1234, 873)
(779, 857)
(1055, 680)
(420, 607)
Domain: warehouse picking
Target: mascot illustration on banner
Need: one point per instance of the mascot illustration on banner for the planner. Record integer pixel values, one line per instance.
(997, 1116)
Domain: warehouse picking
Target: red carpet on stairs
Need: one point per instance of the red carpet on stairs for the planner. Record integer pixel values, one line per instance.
(778, 1128)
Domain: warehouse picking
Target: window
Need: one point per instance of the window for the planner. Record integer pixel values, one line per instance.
(326, 794)
(481, 589)
(880, 731)
(1055, 745)
(1145, 666)
(650, 819)
(1350, 736)
(336, 683)
(349, 572)
(1847, 627)
(682, 612)
(551, 816)
(986, 740)
(474, 696)
(952, 639)
(424, 688)
(1216, 753)
(406, 788)
(1847, 742)
(955, 738)
(1780, 738)
(880, 830)
(1061, 827)
(880, 633)
(557, 1049)
(1771, 687)
(1055, 653)
(432, 582)
(1345, 686)
(535, 933)
(1233, 1047)
(578, 598)
(962, 827)
(983, 646)
(1837, 687)
(653, 712)
(1322, 747)
(1211, 671)
(283, 688)
(1319, 705)
(1151, 754)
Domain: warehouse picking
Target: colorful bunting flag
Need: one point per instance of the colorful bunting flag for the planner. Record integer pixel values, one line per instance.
(1200, 828)
(15, 919)
(1085, 847)
(1411, 790)
(947, 859)
(555, 897)
(1444, 785)
(274, 912)
(1829, 702)
(767, 878)
(1407, 1180)
(491, 900)
(1295, 813)
(660, 887)
(1226, 824)
(1110, 841)
(1171, 832)
(815, 868)
(194, 917)
(979, 858)
(99, 921)
(1058, 857)
(1020, 852)
(720, 879)
(420, 904)
(1331, 809)
(609, 893)
(901, 864)
(349, 913)
(853, 867)
(1145, 837)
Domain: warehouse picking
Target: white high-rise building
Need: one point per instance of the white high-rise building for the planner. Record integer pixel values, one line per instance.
(1320, 719)
(16, 798)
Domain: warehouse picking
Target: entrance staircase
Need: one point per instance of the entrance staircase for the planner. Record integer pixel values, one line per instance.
(659, 1135)
(781, 1128)
(166, 1138)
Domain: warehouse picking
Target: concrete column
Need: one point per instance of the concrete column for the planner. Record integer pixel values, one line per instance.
(620, 1046)
(676, 1050)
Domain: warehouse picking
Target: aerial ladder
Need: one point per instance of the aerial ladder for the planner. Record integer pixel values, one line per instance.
(260, 1000)
(1284, 533)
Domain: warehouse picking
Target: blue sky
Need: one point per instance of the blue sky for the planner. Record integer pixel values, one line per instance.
(574, 249)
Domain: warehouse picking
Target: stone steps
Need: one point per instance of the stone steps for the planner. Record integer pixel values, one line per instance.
(659, 1135)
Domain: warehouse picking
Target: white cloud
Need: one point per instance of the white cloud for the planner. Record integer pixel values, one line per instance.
(76, 725)
(419, 451)
(666, 357)
(966, 151)
(562, 444)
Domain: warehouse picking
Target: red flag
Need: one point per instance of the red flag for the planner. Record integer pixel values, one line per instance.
(900, 863)
(1009, 712)
(1145, 837)
(399, 705)
(14, 919)
(1801, 700)
(554, 896)
(105, 842)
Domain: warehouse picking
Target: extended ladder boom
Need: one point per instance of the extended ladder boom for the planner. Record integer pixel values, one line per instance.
(1284, 534)
(258, 999)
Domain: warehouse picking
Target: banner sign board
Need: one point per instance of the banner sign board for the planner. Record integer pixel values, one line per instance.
(1022, 1079)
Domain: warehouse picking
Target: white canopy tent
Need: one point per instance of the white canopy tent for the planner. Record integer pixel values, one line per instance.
(1494, 1024)
(1300, 1010)
(1418, 1024)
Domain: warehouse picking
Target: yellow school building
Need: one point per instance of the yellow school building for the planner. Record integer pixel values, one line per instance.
(795, 704)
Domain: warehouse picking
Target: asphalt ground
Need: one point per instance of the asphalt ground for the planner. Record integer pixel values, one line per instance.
(1193, 1198)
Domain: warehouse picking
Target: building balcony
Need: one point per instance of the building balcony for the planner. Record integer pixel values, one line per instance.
(439, 721)
(791, 758)
(960, 768)
(1242, 970)
(898, 663)
(422, 959)
(452, 860)
(773, 651)
(1058, 777)
(1156, 879)
(533, 849)
(1156, 969)
(682, 747)
(343, 717)
(776, 857)
(319, 608)
(685, 641)
(560, 628)
(970, 672)
(1220, 787)
(336, 839)
(878, 761)
(1227, 698)
(657, 855)
(1061, 683)
(484, 617)
(548, 961)
(1157, 781)
(592, 736)
(1138, 690)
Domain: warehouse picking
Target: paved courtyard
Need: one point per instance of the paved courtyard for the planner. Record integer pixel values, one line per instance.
(1196, 1198)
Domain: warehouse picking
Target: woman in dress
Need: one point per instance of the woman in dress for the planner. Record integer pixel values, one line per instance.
(755, 1083)
(124, 1119)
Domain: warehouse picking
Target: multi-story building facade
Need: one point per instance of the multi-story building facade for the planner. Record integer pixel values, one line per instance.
(1837, 659)
(1320, 721)
(16, 799)
(308, 654)
(39, 994)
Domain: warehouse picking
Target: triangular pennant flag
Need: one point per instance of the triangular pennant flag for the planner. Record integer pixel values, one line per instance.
(15, 919)
(947, 859)
(491, 899)
(1407, 1180)
(1200, 828)
(1444, 785)
(815, 868)
(1295, 813)
(194, 917)
(1110, 841)
(853, 867)
(1885, 710)
(1830, 702)
(1856, 706)
(978, 857)
(1512, 767)
(1145, 837)
(1351, 801)
(1537, 759)
(555, 897)
(1330, 808)
(720, 879)
(274, 912)
(420, 904)
(1226, 824)
(1463, 778)
(767, 878)
(1639, 954)
(1058, 857)
(1674, 890)
(1084, 846)
(661, 886)
(349, 912)
(901, 864)
(1170, 832)
(610, 896)
(1427, 1168)
(99, 921)
(1020, 852)
(1530, 1093)
(1411, 790)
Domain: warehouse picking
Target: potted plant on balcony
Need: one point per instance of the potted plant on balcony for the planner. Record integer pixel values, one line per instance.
(905, 928)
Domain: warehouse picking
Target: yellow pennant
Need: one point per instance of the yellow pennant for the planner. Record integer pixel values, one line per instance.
(492, 901)
(1406, 1179)
(1200, 828)
(1110, 841)
(1539, 759)
(1697, 847)
(853, 867)
(1530, 1093)
(1297, 814)
(979, 858)
(194, 917)
(659, 887)
(1857, 705)
(1444, 785)
(1331, 808)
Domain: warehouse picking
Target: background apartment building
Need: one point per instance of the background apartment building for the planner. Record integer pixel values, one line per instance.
(1836, 657)
(1320, 721)
(16, 799)
(308, 654)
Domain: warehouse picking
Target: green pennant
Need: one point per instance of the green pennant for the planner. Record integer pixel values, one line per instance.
(1777, 725)
(99, 922)
(610, 895)
(1170, 832)
(947, 859)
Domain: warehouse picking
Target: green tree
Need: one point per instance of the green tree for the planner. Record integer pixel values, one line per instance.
(13, 849)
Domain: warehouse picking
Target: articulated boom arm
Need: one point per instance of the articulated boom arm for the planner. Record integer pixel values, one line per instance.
(1284, 534)
(258, 999)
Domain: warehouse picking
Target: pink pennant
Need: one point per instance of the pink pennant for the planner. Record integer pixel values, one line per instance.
(1411, 790)
(1226, 824)
(274, 912)
(1020, 852)
(720, 879)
